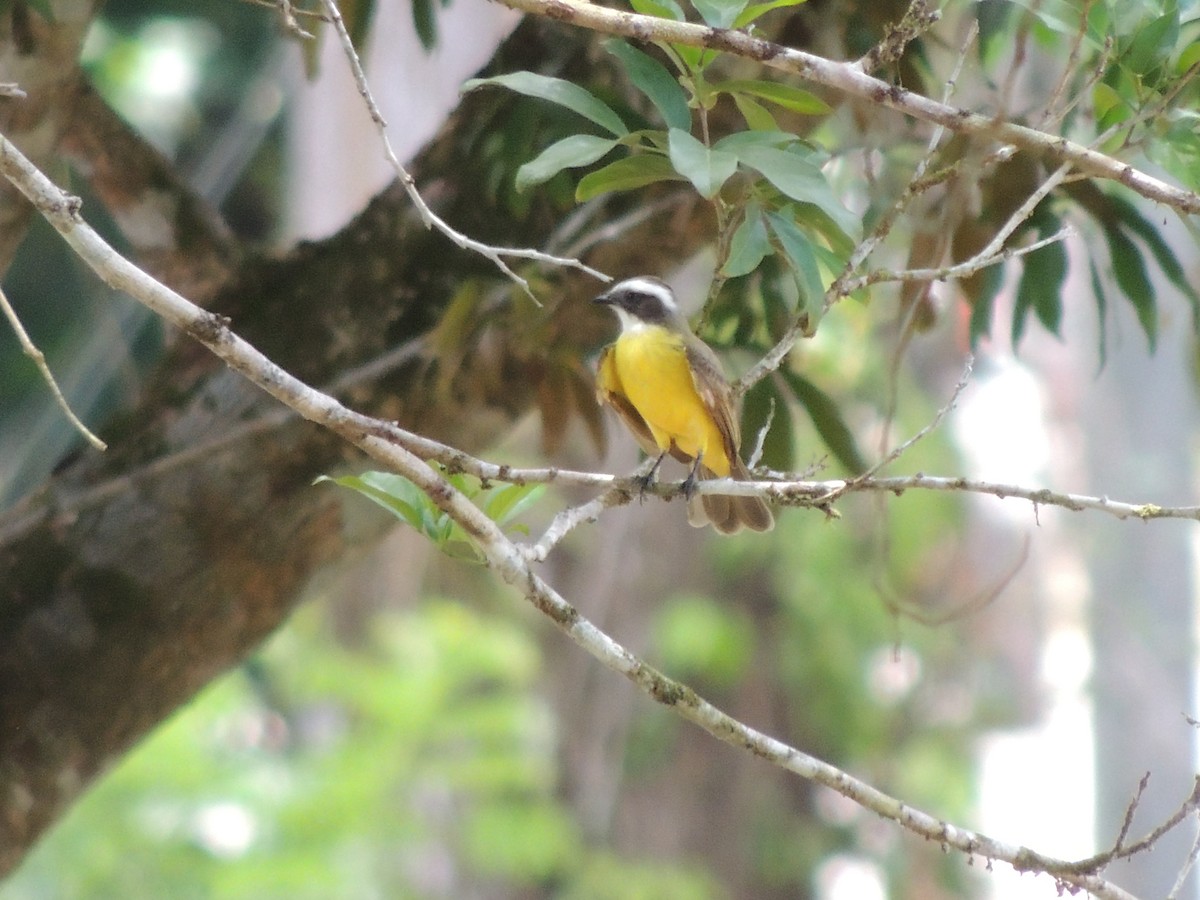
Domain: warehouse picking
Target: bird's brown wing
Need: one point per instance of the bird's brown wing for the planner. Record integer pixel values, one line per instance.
(717, 396)
(611, 392)
(726, 514)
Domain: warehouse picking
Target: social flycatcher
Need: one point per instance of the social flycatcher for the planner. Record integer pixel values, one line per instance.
(668, 388)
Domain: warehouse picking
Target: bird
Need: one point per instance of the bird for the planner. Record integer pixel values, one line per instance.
(668, 388)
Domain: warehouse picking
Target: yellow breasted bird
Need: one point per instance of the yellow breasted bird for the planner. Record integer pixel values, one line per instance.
(668, 388)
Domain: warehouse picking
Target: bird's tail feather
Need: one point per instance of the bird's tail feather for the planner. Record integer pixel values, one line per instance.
(727, 514)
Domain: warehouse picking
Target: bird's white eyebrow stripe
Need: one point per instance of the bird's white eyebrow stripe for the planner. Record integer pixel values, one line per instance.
(646, 286)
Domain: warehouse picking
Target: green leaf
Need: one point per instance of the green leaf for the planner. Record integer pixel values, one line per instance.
(504, 504)
(705, 168)
(765, 400)
(1163, 254)
(663, 9)
(1101, 309)
(1130, 271)
(425, 23)
(1154, 43)
(719, 13)
(1106, 98)
(1062, 17)
(994, 30)
(635, 171)
(990, 281)
(795, 175)
(766, 138)
(755, 114)
(1040, 287)
(785, 95)
(563, 93)
(569, 153)
(799, 252)
(756, 10)
(652, 79)
(395, 493)
(792, 173)
(748, 245)
(358, 17)
(1188, 58)
(828, 421)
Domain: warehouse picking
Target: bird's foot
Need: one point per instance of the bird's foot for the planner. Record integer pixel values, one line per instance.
(689, 484)
(647, 481)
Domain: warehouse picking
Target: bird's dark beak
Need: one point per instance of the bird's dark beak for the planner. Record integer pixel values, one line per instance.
(605, 299)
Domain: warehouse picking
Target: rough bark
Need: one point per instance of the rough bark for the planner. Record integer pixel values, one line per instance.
(41, 57)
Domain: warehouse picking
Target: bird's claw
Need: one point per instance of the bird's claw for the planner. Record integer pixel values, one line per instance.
(689, 485)
(645, 483)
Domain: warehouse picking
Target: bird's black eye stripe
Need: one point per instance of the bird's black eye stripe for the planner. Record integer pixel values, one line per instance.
(647, 307)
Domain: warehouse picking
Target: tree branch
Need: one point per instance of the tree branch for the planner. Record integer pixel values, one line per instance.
(850, 78)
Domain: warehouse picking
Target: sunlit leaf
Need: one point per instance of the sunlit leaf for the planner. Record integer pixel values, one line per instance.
(394, 493)
(569, 153)
(652, 79)
(663, 9)
(556, 90)
(1106, 98)
(635, 171)
(785, 95)
(1188, 58)
(756, 10)
(505, 503)
(756, 115)
(707, 169)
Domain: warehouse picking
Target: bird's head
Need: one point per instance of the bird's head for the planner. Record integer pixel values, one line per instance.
(642, 301)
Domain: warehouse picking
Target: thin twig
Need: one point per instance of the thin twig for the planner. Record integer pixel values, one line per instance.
(39, 360)
(899, 451)
(1052, 113)
(981, 260)
(288, 17)
(839, 287)
(571, 518)
(1186, 868)
(428, 216)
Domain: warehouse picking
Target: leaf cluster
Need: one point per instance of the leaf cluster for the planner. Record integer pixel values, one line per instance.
(412, 506)
(782, 230)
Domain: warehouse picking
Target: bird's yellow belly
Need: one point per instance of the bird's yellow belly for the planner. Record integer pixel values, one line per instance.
(653, 368)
